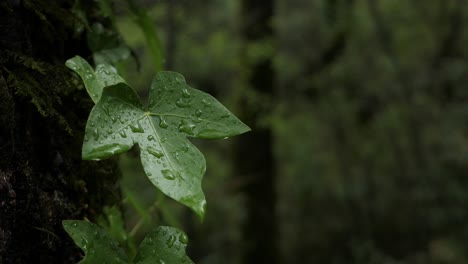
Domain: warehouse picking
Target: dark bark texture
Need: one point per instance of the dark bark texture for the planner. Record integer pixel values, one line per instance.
(42, 118)
(254, 151)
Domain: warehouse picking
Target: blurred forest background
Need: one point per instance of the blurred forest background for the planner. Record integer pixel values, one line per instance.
(359, 112)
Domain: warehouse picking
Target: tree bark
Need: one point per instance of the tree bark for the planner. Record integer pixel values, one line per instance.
(42, 118)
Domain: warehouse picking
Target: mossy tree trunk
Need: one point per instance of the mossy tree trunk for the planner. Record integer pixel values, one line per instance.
(42, 117)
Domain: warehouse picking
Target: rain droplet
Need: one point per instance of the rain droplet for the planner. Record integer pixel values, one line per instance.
(91, 124)
(181, 102)
(170, 241)
(84, 242)
(85, 139)
(149, 174)
(225, 115)
(162, 122)
(105, 71)
(109, 131)
(183, 238)
(168, 174)
(113, 119)
(196, 119)
(198, 112)
(186, 127)
(185, 148)
(96, 134)
(157, 153)
(123, 134)
(88, 75)
(186, 93)
(150, 137)
(74, 224)
(136, 128)
(120, 119)
(206, 103)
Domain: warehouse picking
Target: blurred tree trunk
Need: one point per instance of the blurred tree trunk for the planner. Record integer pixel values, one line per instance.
(42, 118)
(171, 34)
(254, 151)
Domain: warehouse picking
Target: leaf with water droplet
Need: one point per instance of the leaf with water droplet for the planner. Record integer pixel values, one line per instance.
(94, 81)
(163, 126)
(94, 241)
(163, 245)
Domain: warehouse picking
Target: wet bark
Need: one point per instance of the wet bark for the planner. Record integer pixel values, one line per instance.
(42, 118)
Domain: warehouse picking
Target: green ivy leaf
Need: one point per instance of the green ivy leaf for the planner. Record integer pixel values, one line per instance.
(98, 246)
(94, 81)
(163, 245)
(175, 112)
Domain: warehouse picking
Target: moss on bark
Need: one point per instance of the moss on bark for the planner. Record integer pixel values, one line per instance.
(42, 118)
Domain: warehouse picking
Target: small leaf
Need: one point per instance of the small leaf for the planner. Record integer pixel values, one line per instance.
(175, 112)
(163, 245)
(98, 246)
(94, 81)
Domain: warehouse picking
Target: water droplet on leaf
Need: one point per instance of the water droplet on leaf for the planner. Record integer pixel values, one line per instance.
(186, 93)
(155, 152)
(183, 238)
(186, 127)
(206, 103)
(170, 241)
(136, 128)
(168, 174)
(181, 102)
(162, 122)
(96, 134)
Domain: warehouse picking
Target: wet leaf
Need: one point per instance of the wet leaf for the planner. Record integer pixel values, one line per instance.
(163, 245)
(94, 81)
(175, 111)
(98, 246)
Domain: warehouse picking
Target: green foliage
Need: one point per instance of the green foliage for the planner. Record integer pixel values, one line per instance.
(107, 46)
(112, 221)
(94, 81)
(175, 112)
(147, 27)
(162, 245)
(119, 120)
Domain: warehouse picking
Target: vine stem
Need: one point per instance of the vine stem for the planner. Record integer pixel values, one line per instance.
(167, 214)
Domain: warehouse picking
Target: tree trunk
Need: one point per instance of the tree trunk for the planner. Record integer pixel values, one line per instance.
(42, 118)
(254, 151)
